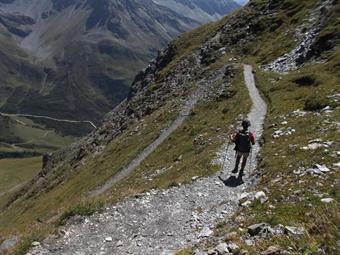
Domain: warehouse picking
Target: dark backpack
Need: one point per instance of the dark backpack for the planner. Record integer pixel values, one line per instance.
(243, 141)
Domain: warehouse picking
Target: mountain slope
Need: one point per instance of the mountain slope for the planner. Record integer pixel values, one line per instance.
(199, 10)
(83, 53)
(264, 33)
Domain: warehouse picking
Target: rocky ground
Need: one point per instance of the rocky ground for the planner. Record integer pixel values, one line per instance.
(163, 221)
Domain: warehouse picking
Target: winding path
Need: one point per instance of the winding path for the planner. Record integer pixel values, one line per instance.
(48, 118)
(202, 89)
(162, 221)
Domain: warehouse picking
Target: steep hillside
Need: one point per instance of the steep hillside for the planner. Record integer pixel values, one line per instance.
(195, 89)
(80, 56)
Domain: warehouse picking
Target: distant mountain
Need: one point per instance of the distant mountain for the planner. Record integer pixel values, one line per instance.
(241, 2)
(75, 59)
(200, 10)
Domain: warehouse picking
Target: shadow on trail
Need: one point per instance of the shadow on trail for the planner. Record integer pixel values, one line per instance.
(232, 181)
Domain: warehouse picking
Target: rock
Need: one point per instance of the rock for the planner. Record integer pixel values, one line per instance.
(337, 165)
(327, 200)
(200, 253)
(249, 242)
(206, 232)
(119, 243)
(247, 198)
(323, 168)
(256, 229)
(108, 239)
(9, 243)
(294, 231)
(233, 247)
(261, 196)
(231, 236)
(246, 204)
(35, 244)
(244, 252)
(212, 252)
(272, 250)
(195, 178)
(222, 248)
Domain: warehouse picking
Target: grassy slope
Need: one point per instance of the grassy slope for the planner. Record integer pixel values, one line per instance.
(22, 216)
(16, 171)
(21, 136)
(295, 200)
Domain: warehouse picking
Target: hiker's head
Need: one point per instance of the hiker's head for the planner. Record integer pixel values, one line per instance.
(245, 124)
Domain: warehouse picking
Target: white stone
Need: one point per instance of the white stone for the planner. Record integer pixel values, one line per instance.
(336, 164)
(327, 200)
(233, 247)
(323, 168)
(35, 244)
(206, 232)
(261, 196)
(108, 239)
(222, 248)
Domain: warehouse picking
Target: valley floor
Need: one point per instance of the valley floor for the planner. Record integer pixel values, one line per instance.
(163, 221)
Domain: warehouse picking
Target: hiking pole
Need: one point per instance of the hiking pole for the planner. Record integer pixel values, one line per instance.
(226, 155)
(251, 157)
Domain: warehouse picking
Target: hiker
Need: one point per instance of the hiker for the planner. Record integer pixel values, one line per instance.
(243, 140)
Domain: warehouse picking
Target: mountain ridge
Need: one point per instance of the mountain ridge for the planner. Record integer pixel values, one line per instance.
(75, 46)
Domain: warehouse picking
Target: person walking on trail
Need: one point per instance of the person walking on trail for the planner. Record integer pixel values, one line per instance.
(243, 140)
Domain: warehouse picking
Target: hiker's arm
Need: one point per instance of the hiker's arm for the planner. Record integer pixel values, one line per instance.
(252, 138)
(233, 137)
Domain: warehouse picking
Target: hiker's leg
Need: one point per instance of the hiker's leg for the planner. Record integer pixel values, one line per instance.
(244, 163)
(238, 159)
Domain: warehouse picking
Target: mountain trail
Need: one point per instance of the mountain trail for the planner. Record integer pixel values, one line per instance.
(163, 221)
(202, 89)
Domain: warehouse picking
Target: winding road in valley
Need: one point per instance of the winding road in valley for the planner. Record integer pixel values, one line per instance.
(163, 221)
(48, 118)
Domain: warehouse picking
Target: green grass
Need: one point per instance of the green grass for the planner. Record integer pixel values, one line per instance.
(17, 171)
(281, 156)
(23, 135)
(69, 198)
(97, 170)
(205, 125)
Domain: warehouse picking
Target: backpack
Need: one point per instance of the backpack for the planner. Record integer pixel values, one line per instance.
(243, 141)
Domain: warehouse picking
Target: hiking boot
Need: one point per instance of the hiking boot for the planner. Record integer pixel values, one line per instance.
(235, 170)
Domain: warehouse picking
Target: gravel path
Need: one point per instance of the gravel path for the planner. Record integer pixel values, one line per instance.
(160, 222)
(202, 90)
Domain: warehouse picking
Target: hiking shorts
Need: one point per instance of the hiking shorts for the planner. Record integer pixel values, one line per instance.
(242, 154)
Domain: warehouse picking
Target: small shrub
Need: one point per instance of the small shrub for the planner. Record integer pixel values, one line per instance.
(315, 103)
(227, 94)
(84, 209)
(306, 80)
(173, 184)
(225, 110)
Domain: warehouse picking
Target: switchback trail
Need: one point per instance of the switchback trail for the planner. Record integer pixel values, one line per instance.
(162, 221)
(48, 118)
(201, 91)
